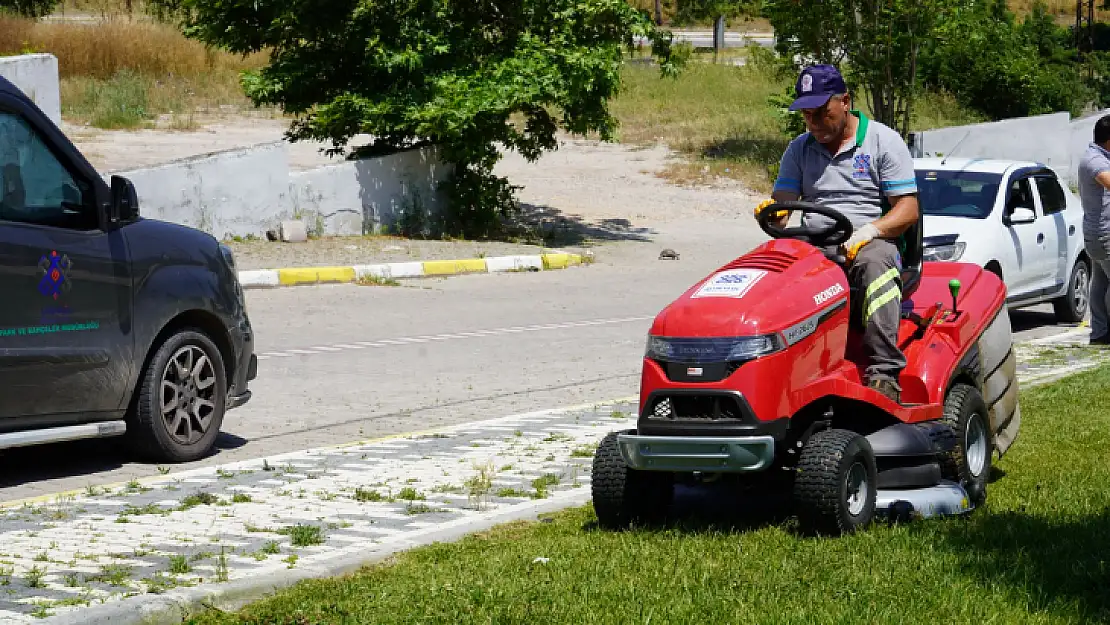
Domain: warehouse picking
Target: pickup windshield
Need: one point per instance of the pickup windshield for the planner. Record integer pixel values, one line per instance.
(957, 193)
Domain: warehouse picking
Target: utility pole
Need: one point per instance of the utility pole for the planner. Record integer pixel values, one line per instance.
(718, 36)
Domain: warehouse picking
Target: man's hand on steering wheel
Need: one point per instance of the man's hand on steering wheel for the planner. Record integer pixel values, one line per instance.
(839, 231)
(780, 217)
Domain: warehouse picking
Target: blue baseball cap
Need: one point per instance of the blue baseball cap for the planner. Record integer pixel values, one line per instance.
(816, 85)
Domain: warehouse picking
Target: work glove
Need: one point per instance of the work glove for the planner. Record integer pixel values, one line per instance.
(764, 204)
(862, 236)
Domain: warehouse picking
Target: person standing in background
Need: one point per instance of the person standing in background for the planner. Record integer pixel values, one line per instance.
(1094, 192)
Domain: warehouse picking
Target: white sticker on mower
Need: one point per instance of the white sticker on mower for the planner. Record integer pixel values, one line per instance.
(731, 283)
(828, 294)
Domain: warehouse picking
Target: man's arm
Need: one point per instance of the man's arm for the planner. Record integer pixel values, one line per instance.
(1103, 178)
(901, 217)
(899, 185)
(788, 184)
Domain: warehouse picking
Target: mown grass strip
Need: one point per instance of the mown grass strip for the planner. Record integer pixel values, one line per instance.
(1038, 553)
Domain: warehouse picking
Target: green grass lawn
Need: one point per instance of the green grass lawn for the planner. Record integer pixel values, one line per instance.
(718, 117)
(1039, 552)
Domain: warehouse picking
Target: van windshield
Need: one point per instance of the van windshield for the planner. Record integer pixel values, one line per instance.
(957, 193)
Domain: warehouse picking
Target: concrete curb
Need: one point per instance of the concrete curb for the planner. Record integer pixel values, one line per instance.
(294, 276)
(178, 605)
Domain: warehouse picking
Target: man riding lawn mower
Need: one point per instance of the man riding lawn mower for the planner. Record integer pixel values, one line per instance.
(830, 362)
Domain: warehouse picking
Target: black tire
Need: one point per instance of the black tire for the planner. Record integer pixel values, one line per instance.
(1072, 306)
(821, 490)
(623, 496)
(148, 431)
(968, 465)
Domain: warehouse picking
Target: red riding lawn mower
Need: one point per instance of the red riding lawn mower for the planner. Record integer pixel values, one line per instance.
(754, 374)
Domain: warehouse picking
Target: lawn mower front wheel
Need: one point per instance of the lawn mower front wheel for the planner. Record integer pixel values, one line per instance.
(622, 495)
(835, 486)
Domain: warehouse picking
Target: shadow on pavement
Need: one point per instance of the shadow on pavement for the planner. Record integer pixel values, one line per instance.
(1028, 319)
(28, 465)
(556, 228)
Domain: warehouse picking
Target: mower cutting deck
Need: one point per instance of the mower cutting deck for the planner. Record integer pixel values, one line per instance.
(757, 371)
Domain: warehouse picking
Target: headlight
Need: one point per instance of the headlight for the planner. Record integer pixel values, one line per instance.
(229, 258)
(951, 252)
(705, 350)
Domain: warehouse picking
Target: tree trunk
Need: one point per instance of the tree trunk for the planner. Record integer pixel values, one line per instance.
(658, 12)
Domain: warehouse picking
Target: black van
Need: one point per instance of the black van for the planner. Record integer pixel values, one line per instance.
(110, 324)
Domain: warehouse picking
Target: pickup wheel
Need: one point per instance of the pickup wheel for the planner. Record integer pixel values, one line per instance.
(179, 407)
(1072, 306)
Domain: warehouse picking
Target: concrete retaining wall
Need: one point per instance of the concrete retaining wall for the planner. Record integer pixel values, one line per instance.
(1055, 139)
(367, 195)
(237, 192)
(37, 76)
(251, 190)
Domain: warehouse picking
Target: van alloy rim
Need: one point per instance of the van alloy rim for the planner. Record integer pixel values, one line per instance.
(188, 395)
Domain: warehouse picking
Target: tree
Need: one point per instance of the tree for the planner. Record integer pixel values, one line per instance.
(28, 8)
(465, 75)
(875, 43)
(1002, 68)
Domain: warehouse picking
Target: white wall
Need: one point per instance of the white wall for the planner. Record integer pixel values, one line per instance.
(1054, 139)
(37, 76)
(236, 192)
(360, 197)
(251, 190)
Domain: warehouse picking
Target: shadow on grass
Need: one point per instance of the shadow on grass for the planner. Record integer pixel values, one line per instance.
(721, 507)
(1055, 564)
(553, 227)
(766, 152)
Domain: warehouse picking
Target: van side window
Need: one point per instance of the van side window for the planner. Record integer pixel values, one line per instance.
(35, 187)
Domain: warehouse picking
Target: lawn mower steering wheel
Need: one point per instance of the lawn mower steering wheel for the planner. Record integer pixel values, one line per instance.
(834, 234)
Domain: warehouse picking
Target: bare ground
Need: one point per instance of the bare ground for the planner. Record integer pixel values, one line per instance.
(586, 194)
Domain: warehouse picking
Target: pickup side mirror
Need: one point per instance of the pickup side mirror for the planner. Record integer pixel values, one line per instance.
(125, 202)
(1021, 215)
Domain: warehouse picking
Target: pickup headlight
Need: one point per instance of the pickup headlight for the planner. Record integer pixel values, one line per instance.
(705, 350)
(949, 252)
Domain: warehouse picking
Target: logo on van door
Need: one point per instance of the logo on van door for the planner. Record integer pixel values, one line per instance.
(55, 274)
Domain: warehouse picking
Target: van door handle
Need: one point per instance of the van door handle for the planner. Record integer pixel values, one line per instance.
(1040, 237)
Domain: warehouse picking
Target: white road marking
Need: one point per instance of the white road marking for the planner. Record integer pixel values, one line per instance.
(410, 340)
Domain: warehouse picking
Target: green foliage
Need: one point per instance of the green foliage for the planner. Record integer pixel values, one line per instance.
(696, 11)
(881, 39)
(28, 8)
(466, 76)
(1005, 68)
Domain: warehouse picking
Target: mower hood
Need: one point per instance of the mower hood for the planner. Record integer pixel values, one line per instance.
(777, 293)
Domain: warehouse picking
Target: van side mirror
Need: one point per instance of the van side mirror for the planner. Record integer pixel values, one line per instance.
(1021, 215)
(125, 202)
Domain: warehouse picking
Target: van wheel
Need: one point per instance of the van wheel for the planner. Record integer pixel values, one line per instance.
(180, 403)
(1072, 306)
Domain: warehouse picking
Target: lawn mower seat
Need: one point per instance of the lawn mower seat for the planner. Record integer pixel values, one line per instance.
(913, 252)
